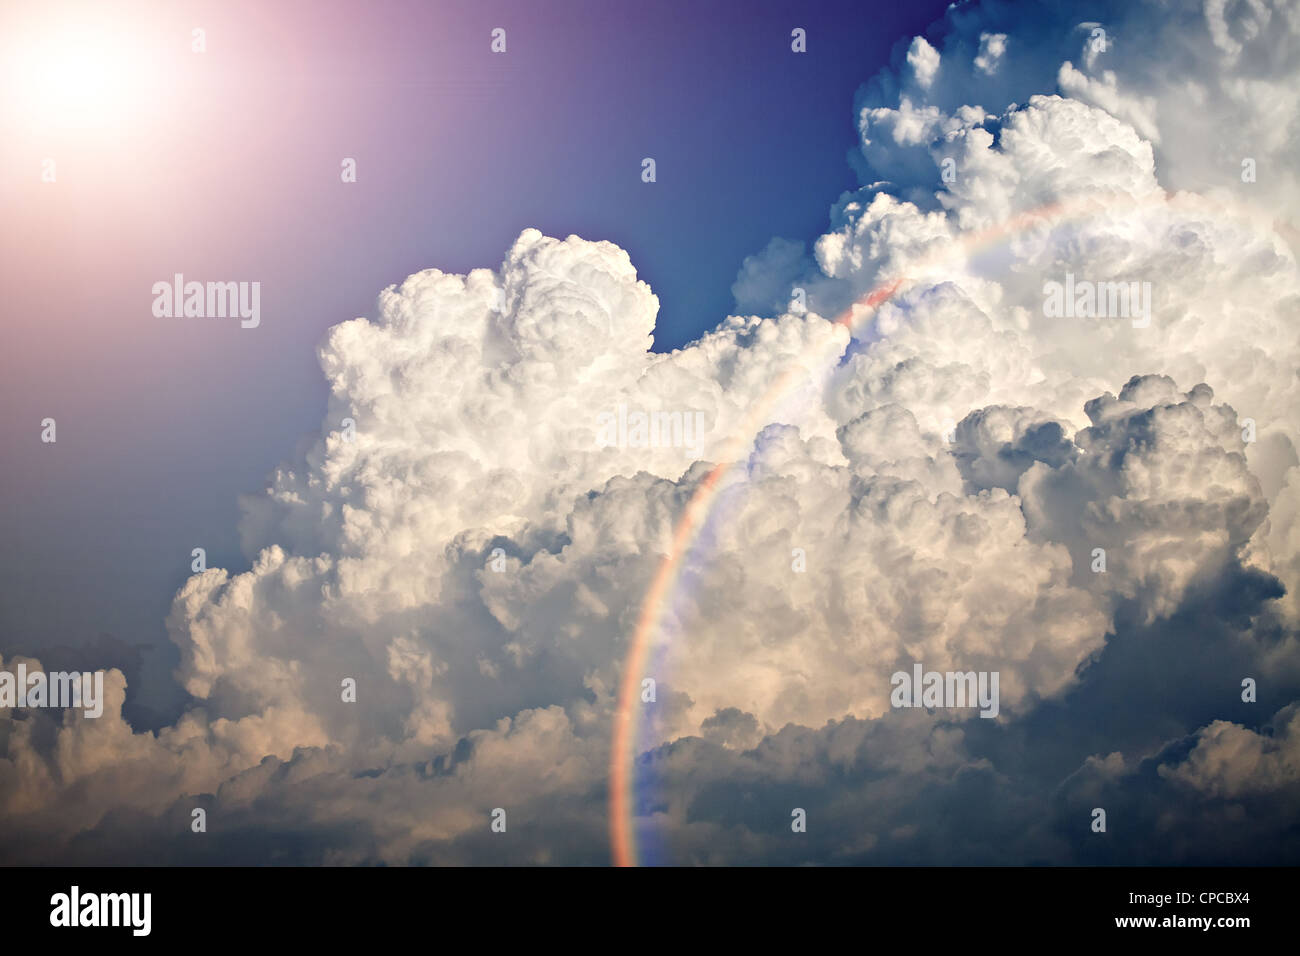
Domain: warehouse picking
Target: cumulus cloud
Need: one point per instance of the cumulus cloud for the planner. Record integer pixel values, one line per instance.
(1231, 761)
(474, 556)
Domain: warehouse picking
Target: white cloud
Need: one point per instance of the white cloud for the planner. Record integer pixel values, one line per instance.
(476, 400)
(1232, 761)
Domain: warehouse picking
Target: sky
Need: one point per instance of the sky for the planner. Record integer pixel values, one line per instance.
(228, 162)
(422, 472)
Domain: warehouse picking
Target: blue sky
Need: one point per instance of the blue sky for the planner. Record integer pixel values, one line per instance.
(458, 150)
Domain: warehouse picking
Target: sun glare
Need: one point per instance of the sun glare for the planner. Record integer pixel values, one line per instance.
(78, 73)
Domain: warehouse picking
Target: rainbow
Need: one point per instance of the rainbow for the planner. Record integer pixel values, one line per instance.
(695, 515)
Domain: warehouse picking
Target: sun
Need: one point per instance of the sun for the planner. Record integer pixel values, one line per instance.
(82, 71)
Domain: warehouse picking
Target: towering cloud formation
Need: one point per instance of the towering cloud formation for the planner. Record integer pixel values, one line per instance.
(474, 558)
